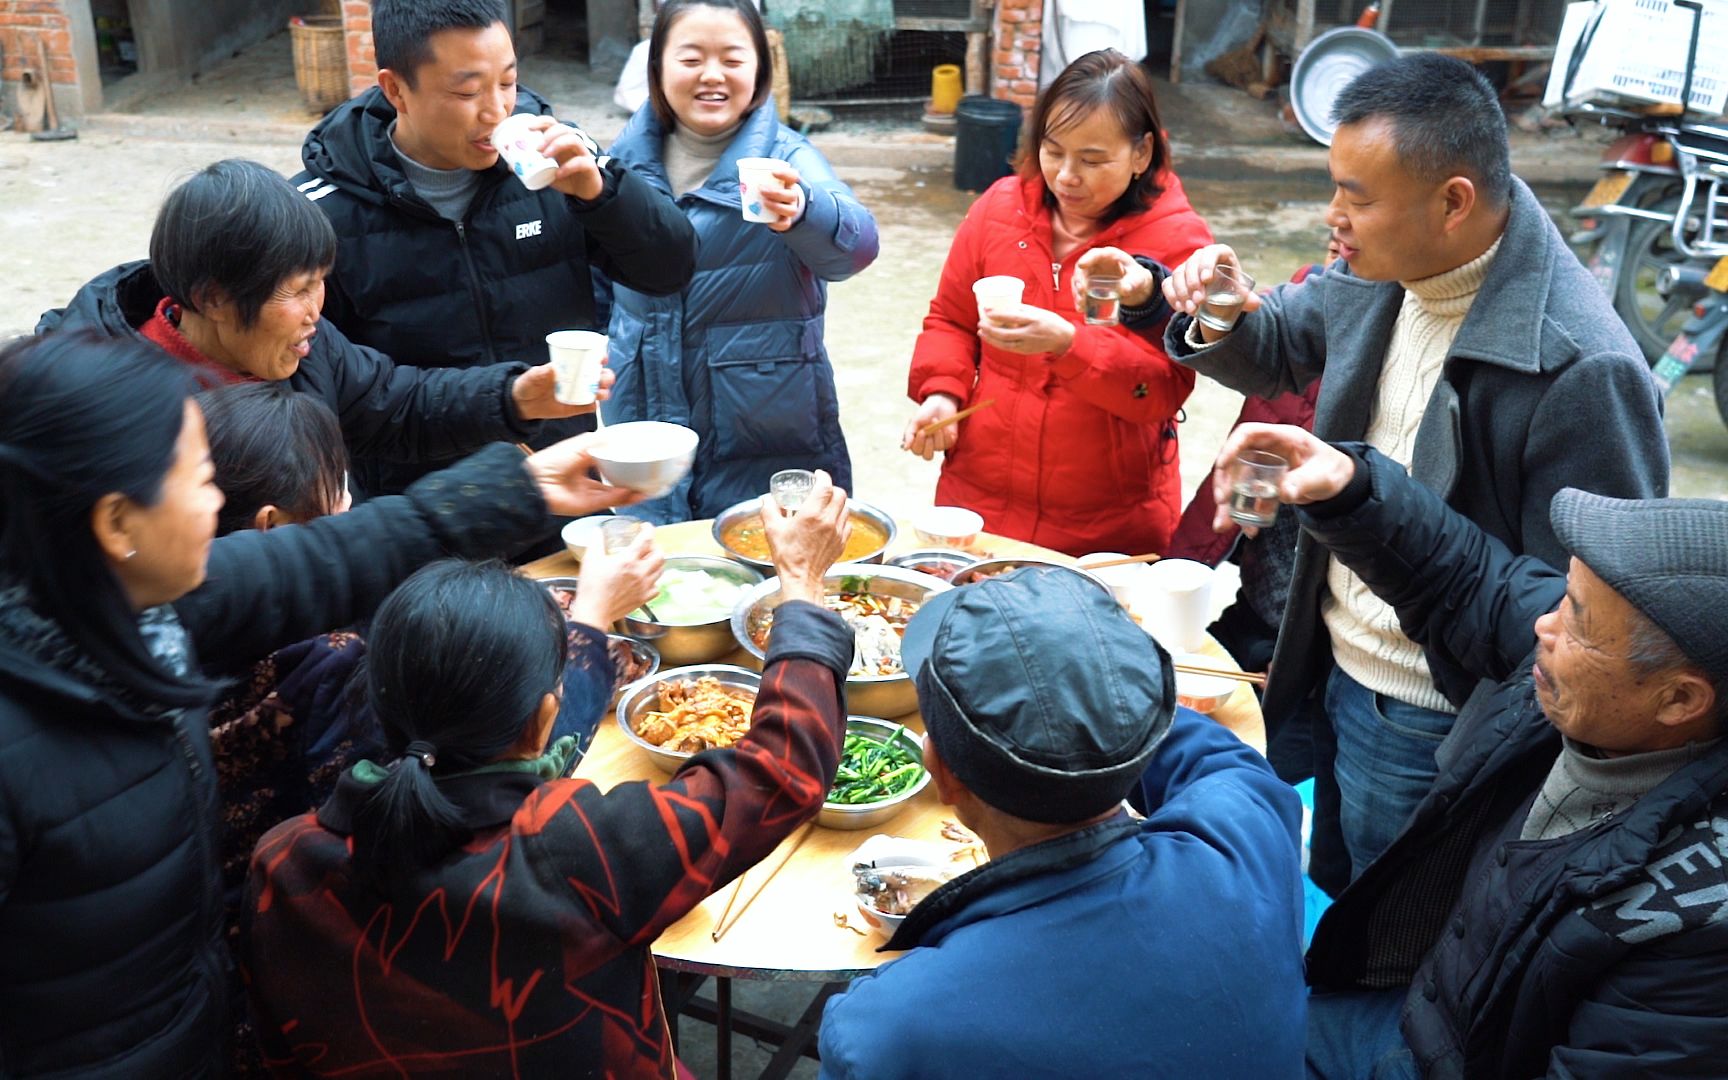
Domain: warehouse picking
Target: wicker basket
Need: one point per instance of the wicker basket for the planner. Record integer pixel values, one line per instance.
(320, 60)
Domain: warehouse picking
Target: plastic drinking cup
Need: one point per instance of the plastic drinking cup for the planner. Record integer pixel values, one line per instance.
(997, 291)
(519, 146)
(755, 174)
(577, 356)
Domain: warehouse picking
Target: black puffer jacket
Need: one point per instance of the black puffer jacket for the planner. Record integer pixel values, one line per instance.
(387, 411)
(1600, 954)
(111, 959)
(491, 287)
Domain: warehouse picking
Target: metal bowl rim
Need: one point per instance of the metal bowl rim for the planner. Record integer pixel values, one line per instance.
(754, 506)
(679, 562)
(904, 796)
(627, 696)
(757, 593)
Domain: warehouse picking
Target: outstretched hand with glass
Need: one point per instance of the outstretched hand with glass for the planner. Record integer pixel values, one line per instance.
(1315, 470)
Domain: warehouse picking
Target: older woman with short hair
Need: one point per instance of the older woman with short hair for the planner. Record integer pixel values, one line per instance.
(234, 288)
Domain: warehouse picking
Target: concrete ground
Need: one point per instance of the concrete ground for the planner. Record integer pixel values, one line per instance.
(70, 210)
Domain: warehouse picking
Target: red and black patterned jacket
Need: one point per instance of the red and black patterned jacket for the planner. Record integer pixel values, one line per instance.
(526, 953)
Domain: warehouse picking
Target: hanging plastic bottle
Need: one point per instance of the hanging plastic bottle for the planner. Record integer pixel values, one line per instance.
(1370, 15)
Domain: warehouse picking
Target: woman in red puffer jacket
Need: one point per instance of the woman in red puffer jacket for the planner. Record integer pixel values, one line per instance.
(1078, 451)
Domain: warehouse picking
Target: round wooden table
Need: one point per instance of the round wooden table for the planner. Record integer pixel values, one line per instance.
(788, 931)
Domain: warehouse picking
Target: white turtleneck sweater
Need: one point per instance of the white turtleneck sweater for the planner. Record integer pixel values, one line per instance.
(1367, 642)
(690, 158)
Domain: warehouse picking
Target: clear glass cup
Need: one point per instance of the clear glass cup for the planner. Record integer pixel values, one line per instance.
(618, 533)
(1254, 479)
(1225, 294)
(1103, 300)
(790, 487)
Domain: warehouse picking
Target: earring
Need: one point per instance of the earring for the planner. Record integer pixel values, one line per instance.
(131, 553)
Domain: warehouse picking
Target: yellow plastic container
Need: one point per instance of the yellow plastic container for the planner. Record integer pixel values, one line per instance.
(944, 88)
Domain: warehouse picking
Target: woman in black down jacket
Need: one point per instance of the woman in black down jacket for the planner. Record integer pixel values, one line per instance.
(117, 615)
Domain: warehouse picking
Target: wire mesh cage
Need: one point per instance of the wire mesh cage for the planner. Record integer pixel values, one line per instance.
(1441, 24)
(863, 50)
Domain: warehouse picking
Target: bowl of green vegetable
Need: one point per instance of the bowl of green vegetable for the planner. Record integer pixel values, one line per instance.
(691, 620)
(881, 770)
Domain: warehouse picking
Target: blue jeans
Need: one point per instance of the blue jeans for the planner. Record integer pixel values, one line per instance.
(1353, 1035)
(1384, 763)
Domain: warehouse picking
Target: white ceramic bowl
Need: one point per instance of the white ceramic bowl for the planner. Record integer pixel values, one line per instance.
(649, 456)
(1121, 579)
(1202, 693)
(948, 526)
(580, 534)
(888, 852)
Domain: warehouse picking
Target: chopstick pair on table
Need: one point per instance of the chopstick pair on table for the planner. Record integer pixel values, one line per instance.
(720, 924)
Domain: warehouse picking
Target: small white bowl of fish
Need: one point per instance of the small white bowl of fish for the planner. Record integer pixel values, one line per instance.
(876, 602)
(680, 712)
(692, 608)
(891, 875)
(881, 770)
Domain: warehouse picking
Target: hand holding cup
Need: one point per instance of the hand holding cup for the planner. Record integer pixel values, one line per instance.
(806, 544)
(615, 583)
(1188, 285)
(1135, 281)
(1316, 470)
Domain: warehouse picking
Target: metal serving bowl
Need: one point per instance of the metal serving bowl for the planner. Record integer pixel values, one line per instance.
(640, 697)
(869, 815)
(645, 654)
(749, 508)
(947, 560)
(693, 643)
(876, 695)
(993, 567)
(560, 583)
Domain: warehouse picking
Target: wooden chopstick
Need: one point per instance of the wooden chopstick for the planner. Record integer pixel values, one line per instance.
(957, 417)
(1120, 562)
(720, 924)
(1254, 678)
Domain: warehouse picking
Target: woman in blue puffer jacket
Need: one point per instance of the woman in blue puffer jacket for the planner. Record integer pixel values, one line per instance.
(738, 354)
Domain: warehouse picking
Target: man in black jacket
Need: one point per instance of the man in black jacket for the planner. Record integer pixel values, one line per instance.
(1558, 903)
(445, 259)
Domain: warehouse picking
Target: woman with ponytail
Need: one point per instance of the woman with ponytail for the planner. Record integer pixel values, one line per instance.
(120, 614)
(460, 908)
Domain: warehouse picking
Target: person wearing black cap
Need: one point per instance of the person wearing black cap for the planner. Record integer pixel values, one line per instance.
(1558, 903)
(1092, 944)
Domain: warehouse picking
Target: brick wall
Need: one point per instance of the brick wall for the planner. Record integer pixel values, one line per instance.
(362, 61)
(21, 23)
(1018, 45)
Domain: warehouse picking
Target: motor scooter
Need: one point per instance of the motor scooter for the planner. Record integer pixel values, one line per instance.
(1703, 335)
(1659, 210)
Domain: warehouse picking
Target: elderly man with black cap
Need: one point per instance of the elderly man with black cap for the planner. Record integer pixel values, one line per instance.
(1093, 944)
(1558, 903)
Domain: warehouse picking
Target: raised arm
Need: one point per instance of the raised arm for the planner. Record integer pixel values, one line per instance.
(836, 237)
(1456, 589)
(264, 590)
(1277, 346)
(637, 235)
(398, 413)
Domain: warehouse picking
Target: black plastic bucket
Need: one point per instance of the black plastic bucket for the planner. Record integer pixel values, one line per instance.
(987, 131)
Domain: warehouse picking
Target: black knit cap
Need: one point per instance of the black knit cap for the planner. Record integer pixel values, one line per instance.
(1667, 557)
(1039, 692)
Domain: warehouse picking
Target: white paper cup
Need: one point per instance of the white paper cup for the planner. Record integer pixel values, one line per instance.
(519, 146)
(1174, 601)
(1122, 580)
(576, 362)
(755, 174)
(998, 291)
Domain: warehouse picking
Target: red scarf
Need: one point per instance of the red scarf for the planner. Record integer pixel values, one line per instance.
(163, 329)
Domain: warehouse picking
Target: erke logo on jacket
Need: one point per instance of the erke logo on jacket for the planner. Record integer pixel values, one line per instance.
(527, 229)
